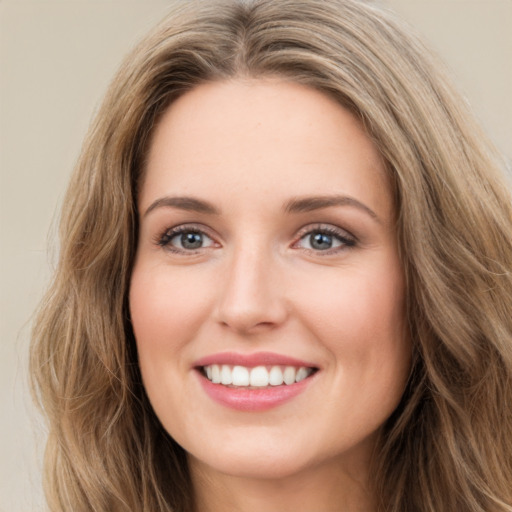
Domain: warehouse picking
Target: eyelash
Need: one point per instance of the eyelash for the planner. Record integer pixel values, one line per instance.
(346, 240)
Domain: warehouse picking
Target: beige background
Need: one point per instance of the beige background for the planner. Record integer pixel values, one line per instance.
(56, 58)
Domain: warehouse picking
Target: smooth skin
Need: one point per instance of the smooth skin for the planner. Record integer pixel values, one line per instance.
(267, 224)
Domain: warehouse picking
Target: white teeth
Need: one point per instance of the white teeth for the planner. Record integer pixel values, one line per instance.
(240, 376)
(302, 373)
(275, 377)
(225, 375)
(215, 374)
(259, 376)
(289, 375)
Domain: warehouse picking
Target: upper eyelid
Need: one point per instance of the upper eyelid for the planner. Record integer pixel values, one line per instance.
(320, 226)
(192, 226)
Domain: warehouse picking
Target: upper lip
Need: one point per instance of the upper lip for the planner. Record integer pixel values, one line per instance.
(252, 360)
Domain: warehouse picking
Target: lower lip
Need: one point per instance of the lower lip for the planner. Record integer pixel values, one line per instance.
(243, 399)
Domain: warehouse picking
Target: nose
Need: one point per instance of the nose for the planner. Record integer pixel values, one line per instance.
(252, 298)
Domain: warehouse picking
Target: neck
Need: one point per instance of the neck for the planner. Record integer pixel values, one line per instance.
(325, 489)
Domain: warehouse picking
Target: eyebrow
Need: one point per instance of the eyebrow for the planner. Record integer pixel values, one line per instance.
(308, 204)
(296, 205)
(183, 203)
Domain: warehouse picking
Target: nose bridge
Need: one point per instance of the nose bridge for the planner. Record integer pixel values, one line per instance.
(251, 297)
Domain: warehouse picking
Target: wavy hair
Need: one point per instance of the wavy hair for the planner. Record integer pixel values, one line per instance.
(448, 446)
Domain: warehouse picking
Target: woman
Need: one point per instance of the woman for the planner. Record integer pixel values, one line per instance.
(284, 278)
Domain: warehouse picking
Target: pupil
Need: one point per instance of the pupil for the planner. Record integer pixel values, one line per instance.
(321, 241)
(191, 240)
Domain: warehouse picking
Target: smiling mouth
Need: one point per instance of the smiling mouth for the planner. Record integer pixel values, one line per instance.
(257, 377)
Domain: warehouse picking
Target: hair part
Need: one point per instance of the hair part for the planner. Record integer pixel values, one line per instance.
(448, 446)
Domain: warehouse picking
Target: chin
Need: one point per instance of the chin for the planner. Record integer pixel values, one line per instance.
(263, 460)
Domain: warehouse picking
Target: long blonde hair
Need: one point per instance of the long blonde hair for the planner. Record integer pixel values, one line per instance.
(448, 446)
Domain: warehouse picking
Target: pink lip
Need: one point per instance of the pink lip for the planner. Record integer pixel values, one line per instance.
(254, 399)
(251, 360)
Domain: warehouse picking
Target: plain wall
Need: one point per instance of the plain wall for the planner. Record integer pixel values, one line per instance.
(56, 59)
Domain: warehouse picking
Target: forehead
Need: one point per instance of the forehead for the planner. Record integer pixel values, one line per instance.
(273, 137)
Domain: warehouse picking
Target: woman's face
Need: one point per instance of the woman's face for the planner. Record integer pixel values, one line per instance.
(268, 261)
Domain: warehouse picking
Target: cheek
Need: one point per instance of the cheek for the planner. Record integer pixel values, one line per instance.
(360, 320)
(357, 308)
(166, 310)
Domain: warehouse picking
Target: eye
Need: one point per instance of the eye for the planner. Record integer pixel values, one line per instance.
(185, 239)
(326, 239)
